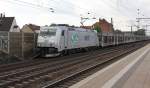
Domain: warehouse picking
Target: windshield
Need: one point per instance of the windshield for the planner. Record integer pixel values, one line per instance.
(49, 32)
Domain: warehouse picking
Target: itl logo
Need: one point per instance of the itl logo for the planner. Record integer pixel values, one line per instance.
(74, 39)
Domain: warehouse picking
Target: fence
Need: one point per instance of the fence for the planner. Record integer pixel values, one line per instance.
(18, 44)
(4, 41)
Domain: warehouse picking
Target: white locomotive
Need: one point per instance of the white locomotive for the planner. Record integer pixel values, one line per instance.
(62, 39)
(56, 40)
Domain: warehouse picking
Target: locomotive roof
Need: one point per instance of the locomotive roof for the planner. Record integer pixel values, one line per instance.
(67, 28)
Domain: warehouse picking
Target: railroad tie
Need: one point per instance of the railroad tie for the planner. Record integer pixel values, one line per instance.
(33, 84)
(19, 86)
(25, 83)
(11, 87)
(4, 84)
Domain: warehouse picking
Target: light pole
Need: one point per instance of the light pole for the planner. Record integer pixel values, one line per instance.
(138, 20)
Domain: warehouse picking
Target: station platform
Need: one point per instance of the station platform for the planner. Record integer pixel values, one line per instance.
(132, 71)
(141, 76)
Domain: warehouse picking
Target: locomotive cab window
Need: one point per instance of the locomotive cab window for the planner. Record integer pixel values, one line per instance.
(50, 32)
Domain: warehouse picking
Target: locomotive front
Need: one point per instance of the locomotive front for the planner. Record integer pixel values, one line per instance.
(47, 41)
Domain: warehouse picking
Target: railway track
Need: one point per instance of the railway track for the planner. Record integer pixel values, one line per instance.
(7, 67)
(43, 74)
(69, 76)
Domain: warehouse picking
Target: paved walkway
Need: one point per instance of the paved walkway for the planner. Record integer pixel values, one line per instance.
(141, 76)
(133, 71)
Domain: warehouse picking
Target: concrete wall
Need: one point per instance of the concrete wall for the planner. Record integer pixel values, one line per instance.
(4, 41)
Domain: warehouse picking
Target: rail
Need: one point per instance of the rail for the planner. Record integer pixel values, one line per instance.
(54, 71)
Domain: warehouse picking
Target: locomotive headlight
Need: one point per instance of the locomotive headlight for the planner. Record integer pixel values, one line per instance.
(52, 44)
(46, 41)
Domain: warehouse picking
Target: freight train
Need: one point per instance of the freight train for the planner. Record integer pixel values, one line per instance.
(62, 39)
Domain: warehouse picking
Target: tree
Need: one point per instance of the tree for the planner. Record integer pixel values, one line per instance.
(118, 31)
(140, 32)
(97, 28)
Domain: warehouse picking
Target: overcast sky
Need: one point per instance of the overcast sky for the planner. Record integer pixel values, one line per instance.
(123, 12)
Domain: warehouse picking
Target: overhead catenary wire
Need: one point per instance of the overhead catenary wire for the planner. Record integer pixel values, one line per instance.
(48, 8)
(70, 5)
(23, 3)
